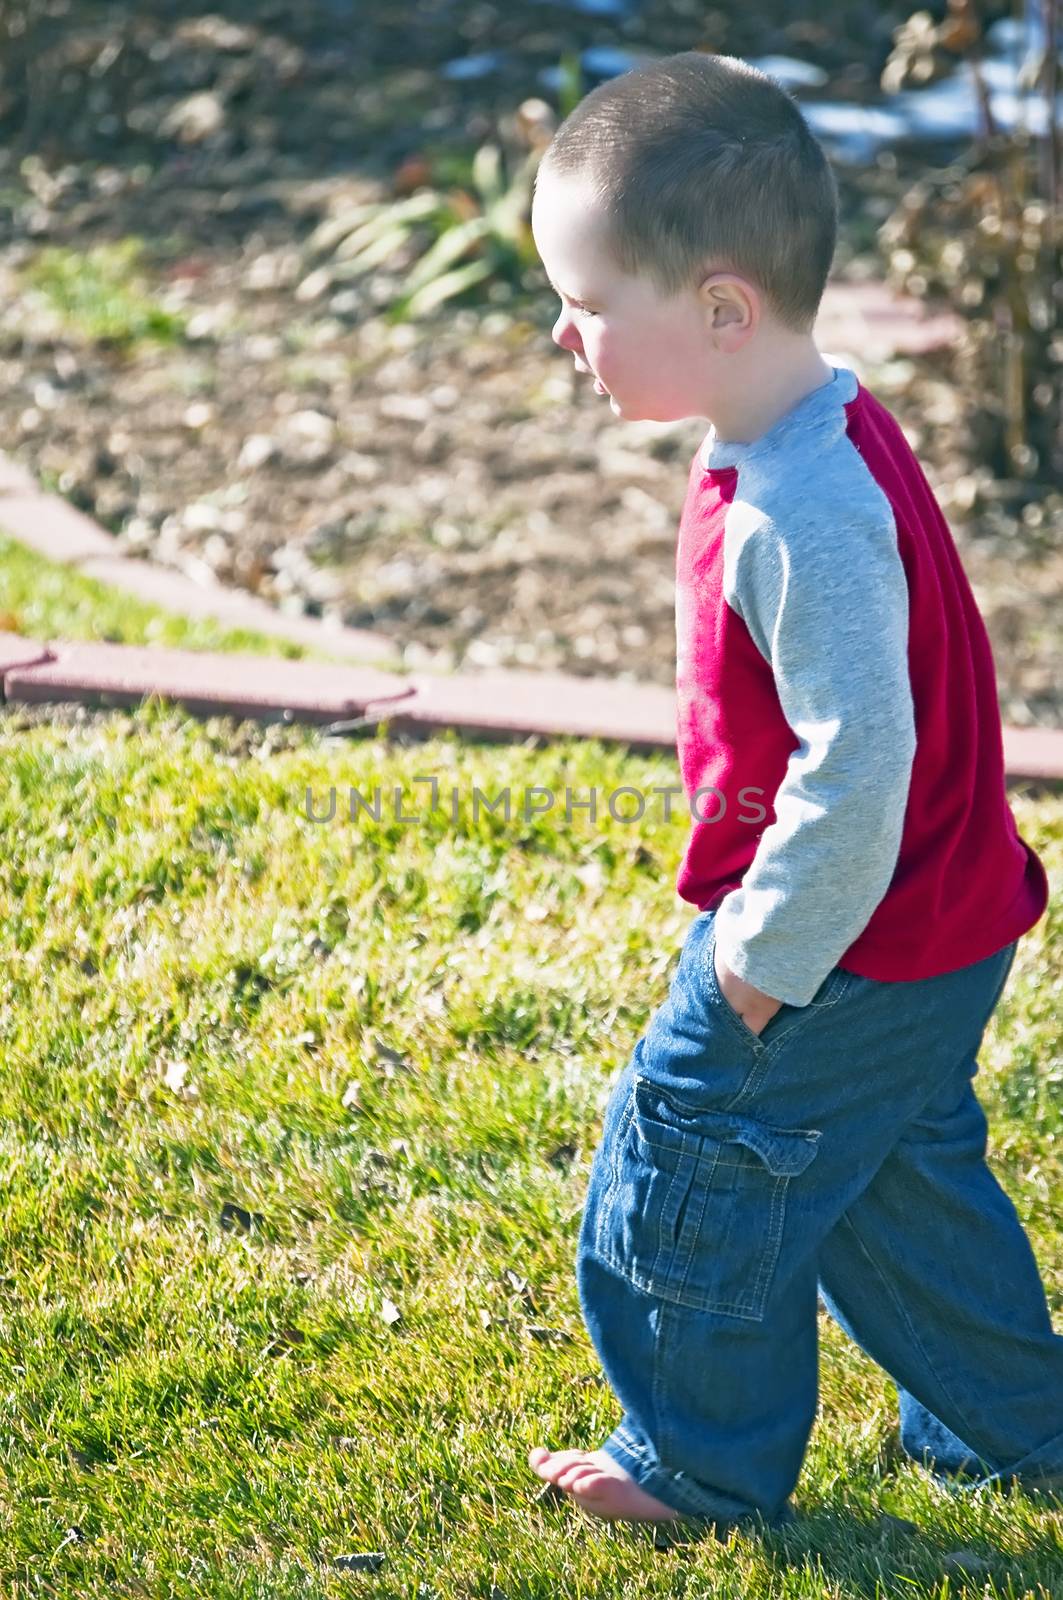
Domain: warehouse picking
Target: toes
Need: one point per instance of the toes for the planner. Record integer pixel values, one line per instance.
(577, 1471)
(583, 1480)
(574, 1471)
(551, 1464)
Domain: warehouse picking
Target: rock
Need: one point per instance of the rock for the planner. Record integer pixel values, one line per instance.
(311, 425)
(217, 553)
(968, 1561)
(216, 33)
(199, 414)
(257, 449)
(369, 1562)
(201, 517)
(887, 1523)
(194, 119)
(273, 270)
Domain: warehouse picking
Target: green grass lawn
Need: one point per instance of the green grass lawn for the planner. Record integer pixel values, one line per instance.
(295, 1126)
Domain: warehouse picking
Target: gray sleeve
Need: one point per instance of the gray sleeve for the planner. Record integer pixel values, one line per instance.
(827, 606)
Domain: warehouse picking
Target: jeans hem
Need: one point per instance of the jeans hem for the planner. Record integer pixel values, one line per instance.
(679, 1492)
(1039, 1472)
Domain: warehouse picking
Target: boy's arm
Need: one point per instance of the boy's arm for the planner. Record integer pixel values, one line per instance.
(827, 606)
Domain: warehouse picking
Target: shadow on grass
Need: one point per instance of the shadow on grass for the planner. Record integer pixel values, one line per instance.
(867, 1552)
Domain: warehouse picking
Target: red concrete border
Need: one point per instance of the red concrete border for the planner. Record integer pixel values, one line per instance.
(54, 528)
(873, 323)
(1035, 753)
(17, 651)
(178, 593)
(205, 682)
(491, 705)
(516, 705)
(15, 479)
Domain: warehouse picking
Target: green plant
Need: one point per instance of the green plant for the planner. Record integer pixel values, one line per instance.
(458, 238)
(101, 293)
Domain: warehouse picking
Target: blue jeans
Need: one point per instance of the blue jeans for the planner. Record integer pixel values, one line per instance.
(839, 1154)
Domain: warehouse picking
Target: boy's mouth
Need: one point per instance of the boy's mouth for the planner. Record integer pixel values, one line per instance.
(599, 386)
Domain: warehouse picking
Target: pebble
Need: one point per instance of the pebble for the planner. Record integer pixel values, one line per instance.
(257, 449)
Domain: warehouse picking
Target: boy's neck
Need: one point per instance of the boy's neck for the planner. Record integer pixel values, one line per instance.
(768, 383)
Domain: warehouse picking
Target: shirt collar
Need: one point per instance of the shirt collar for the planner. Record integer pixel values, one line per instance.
(814, 413)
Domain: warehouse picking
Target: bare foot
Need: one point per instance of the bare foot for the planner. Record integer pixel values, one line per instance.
(600, 1485)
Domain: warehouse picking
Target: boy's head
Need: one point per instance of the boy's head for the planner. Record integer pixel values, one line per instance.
(687, 217)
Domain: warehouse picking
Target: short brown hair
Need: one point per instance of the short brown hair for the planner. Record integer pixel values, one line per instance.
(703, 162)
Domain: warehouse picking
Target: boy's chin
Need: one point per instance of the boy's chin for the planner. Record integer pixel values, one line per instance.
(635, 414)
(632, 411)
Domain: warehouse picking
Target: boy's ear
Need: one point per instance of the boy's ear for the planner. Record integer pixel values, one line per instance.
(729, 300)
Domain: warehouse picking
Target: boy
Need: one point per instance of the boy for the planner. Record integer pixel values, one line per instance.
(799, 1116)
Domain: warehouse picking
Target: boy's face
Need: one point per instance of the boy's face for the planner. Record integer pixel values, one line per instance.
(658, 359)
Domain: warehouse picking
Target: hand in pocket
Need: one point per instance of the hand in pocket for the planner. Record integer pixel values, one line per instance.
(754, 1006)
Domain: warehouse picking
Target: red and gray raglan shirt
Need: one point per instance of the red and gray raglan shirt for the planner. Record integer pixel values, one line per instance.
(838, 726)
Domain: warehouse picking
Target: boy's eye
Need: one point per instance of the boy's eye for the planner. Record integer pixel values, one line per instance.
(586, 312)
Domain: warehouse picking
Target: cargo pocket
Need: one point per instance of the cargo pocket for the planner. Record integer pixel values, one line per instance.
(698, 1209)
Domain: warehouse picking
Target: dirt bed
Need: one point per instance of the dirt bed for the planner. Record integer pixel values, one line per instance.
(455, 485)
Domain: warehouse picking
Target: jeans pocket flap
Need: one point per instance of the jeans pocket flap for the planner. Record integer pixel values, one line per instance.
(666, 1123)
(698, 1216)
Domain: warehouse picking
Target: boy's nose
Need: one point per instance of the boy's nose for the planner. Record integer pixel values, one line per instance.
(564, 334)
